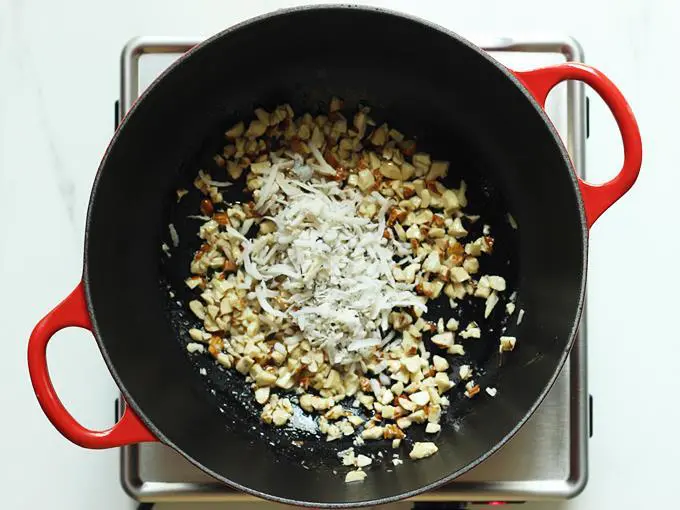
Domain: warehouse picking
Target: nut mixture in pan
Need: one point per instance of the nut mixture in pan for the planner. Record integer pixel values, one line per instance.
(315, 290)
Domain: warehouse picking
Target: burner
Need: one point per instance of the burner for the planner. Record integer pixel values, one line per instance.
(547, 459)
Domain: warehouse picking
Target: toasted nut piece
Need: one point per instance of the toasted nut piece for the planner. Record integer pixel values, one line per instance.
(355, 476)
(373, 433)
(421, 159)
(471, 389)
(404, 423)
(345, 428)
(443, 382)
(235, 131)
(393, 432)
(443, 340)
(456, 349)
(197, 335)
(423, 217)
(438, 169)
(280, 417)
(452, 325)
(458, 274)
(420, 398)
(193, 347)
(407, 404)
(507, 343)
(423, 450)
(440, 364)
(491, 302)
(363, 461)
(432, 263)
(497, 283)
(390, 170)
(262, 395)
(412, 364)
(472, 331)
(414, 232)
(224, 359)
(256, 128)
(261, 376)
(366, 180)
(198, 308)
(450, 201)
(379, 136)
(244, 364)
(355, 420)
(436, 233)
(432, 428)
(471, 265)
(307, 402)
(465, 372)
(386, 397)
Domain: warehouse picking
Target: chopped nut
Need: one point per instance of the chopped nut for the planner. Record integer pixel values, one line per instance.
(440, 364)
(457, 230)
(431, 263)
(420, 398)
(194, 347)
(262, 395)
(256, 128)
(443, 382)
(363, 461)
(355, 476)
(443, 340)
(373, 433)
(452, 325)
(392, 431)
(438, 169)
(390, 170)
(458, 274)
(366, 180)
(432, 428)
(497, 283)
(198, 309)
(507, 343)
(280, 417)
(465, 372)
(491, 302)
(422, 450)
(235, 131)
(472, 331)
(471, 265)
(471, 389)
(379, 136)
(244, 364)
(491, 391)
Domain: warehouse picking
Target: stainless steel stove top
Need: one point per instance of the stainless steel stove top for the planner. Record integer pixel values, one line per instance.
(547, 459)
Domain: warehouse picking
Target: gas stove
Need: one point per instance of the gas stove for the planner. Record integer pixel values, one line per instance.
(547, 458)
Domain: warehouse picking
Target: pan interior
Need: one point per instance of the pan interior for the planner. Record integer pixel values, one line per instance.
(460, 106)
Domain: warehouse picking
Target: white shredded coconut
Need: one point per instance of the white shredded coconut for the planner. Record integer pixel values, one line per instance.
(173, 235)
(339, 288)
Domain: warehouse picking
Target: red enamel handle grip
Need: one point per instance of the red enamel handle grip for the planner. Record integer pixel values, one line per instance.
(73, 312)
(597, 198)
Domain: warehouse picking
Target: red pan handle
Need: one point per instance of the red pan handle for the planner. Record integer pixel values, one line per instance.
(72, 311)
(597, 198)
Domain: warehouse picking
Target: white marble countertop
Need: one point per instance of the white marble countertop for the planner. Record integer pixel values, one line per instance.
(59, 68)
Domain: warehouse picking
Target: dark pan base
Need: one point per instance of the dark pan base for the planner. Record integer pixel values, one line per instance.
(463, 106)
